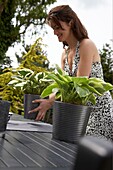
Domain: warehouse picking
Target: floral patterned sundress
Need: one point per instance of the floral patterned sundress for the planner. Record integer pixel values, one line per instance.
(100, 122)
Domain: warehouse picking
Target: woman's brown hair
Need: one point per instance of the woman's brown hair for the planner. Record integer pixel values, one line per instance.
(66, 14)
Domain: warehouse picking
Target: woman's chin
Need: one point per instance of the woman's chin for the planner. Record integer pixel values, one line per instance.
(60, 40)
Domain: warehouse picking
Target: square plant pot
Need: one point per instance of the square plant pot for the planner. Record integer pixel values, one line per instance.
(4, 111)
(28, 105)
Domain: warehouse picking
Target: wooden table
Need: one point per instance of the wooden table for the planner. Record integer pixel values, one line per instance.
(22, 150)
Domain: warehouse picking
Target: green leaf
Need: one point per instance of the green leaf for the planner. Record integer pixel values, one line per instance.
(12, 82)
(82, 91)
(48, 90)
(25, 71)
(80, 80)
(92, 89)
(60, 83)
(59, 70)
(20, 84)
(92, 99)
(17, 77)
(69, 79)
(62, 78)
(107, 86)
(95, 80)
(100, 85)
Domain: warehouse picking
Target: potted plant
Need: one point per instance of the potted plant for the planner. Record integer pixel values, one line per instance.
(70, 110)
(4, 115)
(32, 86)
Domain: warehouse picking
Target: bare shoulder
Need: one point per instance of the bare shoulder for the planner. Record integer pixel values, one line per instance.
(87, 43)
(88, 50)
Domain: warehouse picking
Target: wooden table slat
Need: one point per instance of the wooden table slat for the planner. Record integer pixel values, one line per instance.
(31, 155)
(7, 158)
(44, 151)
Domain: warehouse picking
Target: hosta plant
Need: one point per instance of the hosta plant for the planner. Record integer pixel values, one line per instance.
(29, 81)
(75, 90)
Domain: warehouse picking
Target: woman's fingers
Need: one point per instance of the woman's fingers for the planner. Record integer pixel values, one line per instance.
(38, 100)
(42, 108)
(34, 110)
(40, 116)
(37, 108)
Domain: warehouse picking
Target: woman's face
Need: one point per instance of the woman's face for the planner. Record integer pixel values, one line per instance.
(63, 33)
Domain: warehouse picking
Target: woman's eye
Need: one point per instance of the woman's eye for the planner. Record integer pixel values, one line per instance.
(56, 28)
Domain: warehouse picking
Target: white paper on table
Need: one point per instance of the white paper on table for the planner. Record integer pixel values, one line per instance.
(29, 126)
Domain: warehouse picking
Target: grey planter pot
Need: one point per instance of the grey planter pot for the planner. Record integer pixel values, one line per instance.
(28, 105)
(69, 121)
(4, 111)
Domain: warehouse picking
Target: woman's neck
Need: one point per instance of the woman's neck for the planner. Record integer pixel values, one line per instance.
(72, 44)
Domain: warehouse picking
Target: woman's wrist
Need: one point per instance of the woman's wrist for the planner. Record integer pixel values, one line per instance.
(51, 101)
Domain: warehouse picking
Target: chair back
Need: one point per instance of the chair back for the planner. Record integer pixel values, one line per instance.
(94, 154)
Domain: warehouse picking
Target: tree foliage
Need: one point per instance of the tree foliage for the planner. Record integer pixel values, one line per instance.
(15, 18)
(7, 29)
(35, 59)
(107, 62)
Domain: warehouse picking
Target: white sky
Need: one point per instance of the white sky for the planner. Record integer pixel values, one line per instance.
(97, 17)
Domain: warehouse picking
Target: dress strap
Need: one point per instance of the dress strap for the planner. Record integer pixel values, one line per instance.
(77, 48)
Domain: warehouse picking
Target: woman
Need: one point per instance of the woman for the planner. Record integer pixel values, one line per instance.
(80, 57)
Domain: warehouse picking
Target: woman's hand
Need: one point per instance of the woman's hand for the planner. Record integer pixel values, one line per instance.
(45, 104)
